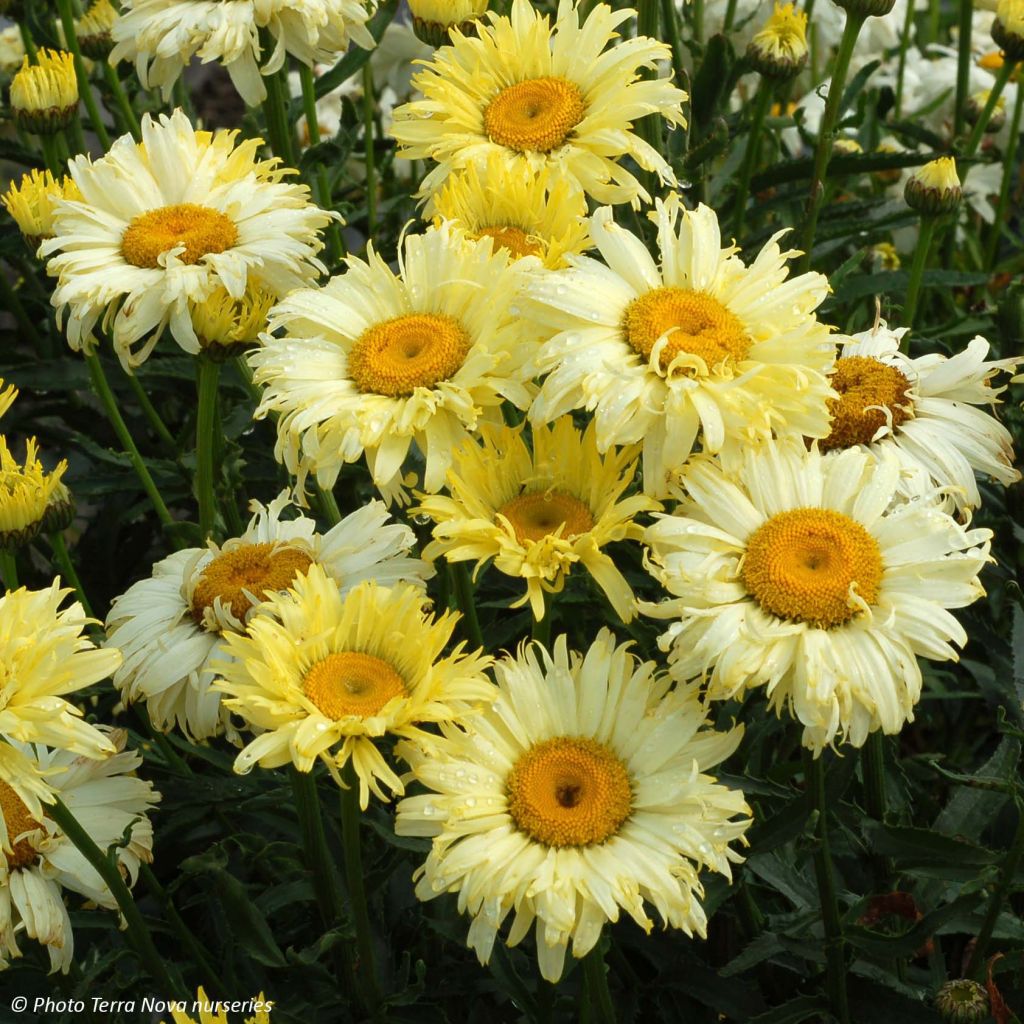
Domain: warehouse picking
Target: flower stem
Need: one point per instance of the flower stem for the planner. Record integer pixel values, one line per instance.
(465, 600)
(107, 869)
(814, 774)
(997, 902)
(67, 21)
(314, 845)
(872, 764)
(963, 63)
(908, 28)
(826, 134)
(206, 425)
(67, 568)
(321, 184)
(275, 108)
(1009, 166)
(924, 244)
(131, 122)
(761, 105)
(355, 879)
(595, 981)
(371, 164)
(9, 568)
(1002, 77)
(102, 388)
(155, 420)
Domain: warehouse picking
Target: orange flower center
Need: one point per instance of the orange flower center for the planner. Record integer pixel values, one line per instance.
(198, 228)
(870, 393)
(348, 684)
(535, 116)
(18, 821)
(536, 516)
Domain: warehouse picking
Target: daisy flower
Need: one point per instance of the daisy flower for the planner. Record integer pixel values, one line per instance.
(542, 97)
(109, 802)
(162, 223)
(161, 37)
(580, 793)
(529, 215)
(538, 514)
(698, 344)
(799, 573)
(172, 625)
(374, 361)
(27, 491)
(211, 1011)
(321, 675)
(923, 411)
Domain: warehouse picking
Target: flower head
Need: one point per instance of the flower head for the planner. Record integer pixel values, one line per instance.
(32, 202)
(94, 29)
(582, 792)
(934, 188)
(226, 326)
(542, 97)
(779, 50)
(432, 19)
(321, 676)
(1008, 28)
(26, 493)
(44, 96)
(211, 1011)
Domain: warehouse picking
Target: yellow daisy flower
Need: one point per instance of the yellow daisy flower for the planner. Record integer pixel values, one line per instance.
(374, 361)
(163, 224)
(800, 574)
(542, 97)
(538, 514)
(317, 669)
(161, 37)
(8, 394)
(698, 345)
(226, 325)
(582, 792)
(94, 29)
(527, 214)
(431, 19)
(26, 492)
(40, 863)
(44, 95)
(211, 1011)
(32, 202)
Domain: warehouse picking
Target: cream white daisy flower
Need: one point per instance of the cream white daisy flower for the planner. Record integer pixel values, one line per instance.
(162, 36)
(108, 801)
(163, 223)
(538, 97)
(582, 792)
(924, 411)
(172, 625)
(799, 573)
(320, 676)
(698, 345)
(374, 361)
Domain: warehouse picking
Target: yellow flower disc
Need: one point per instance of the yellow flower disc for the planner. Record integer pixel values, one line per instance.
(535, 116)
(569, 792)
(349, 683)
(536, 516)
(259, 569)
(414, 351)
(18, 820)
(516, 240)
(868, 389)
(198, 228)
(702, 327)
(803, 564)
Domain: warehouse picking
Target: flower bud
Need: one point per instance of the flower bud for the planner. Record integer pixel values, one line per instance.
(44, 96)
(976, 105)
(225, 326)
(867, 8)
(433, 19)
(32, 203)
(1008, 28)
(26, 491)
(934, 188)
(60, 512)
(962, 1002)
(779, 50)
(93, 29)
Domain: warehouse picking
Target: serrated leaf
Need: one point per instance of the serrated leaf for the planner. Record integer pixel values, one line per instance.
(921, 846)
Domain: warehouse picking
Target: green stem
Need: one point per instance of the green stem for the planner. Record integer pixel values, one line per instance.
(321, 184)
(371, 166)
(329, 506)
(924, 244)
(1009, 173)
(67, 20)
(356, 881)
(999, 896)
(28, 42)
(826, 135)
(670, 21)
(131, 122)
(698, 20)
(275, 108)
(9, 568)
(67, 567)
(155, 420)
(730, 15)
(206, 425)
(466, 602)
(761, 105)
(595, 981)
(318, 858)
(963, 63)
(107, 869)
(872, 764)
(908, 28)
(814, 774)
(51, 156)
(1002, 77)
(102, 388)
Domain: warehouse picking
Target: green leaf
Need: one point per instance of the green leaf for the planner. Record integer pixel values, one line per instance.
(795, 1011)
(921, 846)
(857, 83)
(709, 82)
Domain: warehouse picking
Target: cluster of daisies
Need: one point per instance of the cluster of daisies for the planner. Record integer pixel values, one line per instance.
(536, 385)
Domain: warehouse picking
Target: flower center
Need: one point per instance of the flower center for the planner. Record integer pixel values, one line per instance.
(534, 116)
(516, 240)
(696, 324)
(398, 356)
(252, 569)
(870, 392)
(349, 684)
(569, 792)
(806, 564)
(536, 516)
(198, 228)
(18, 820)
